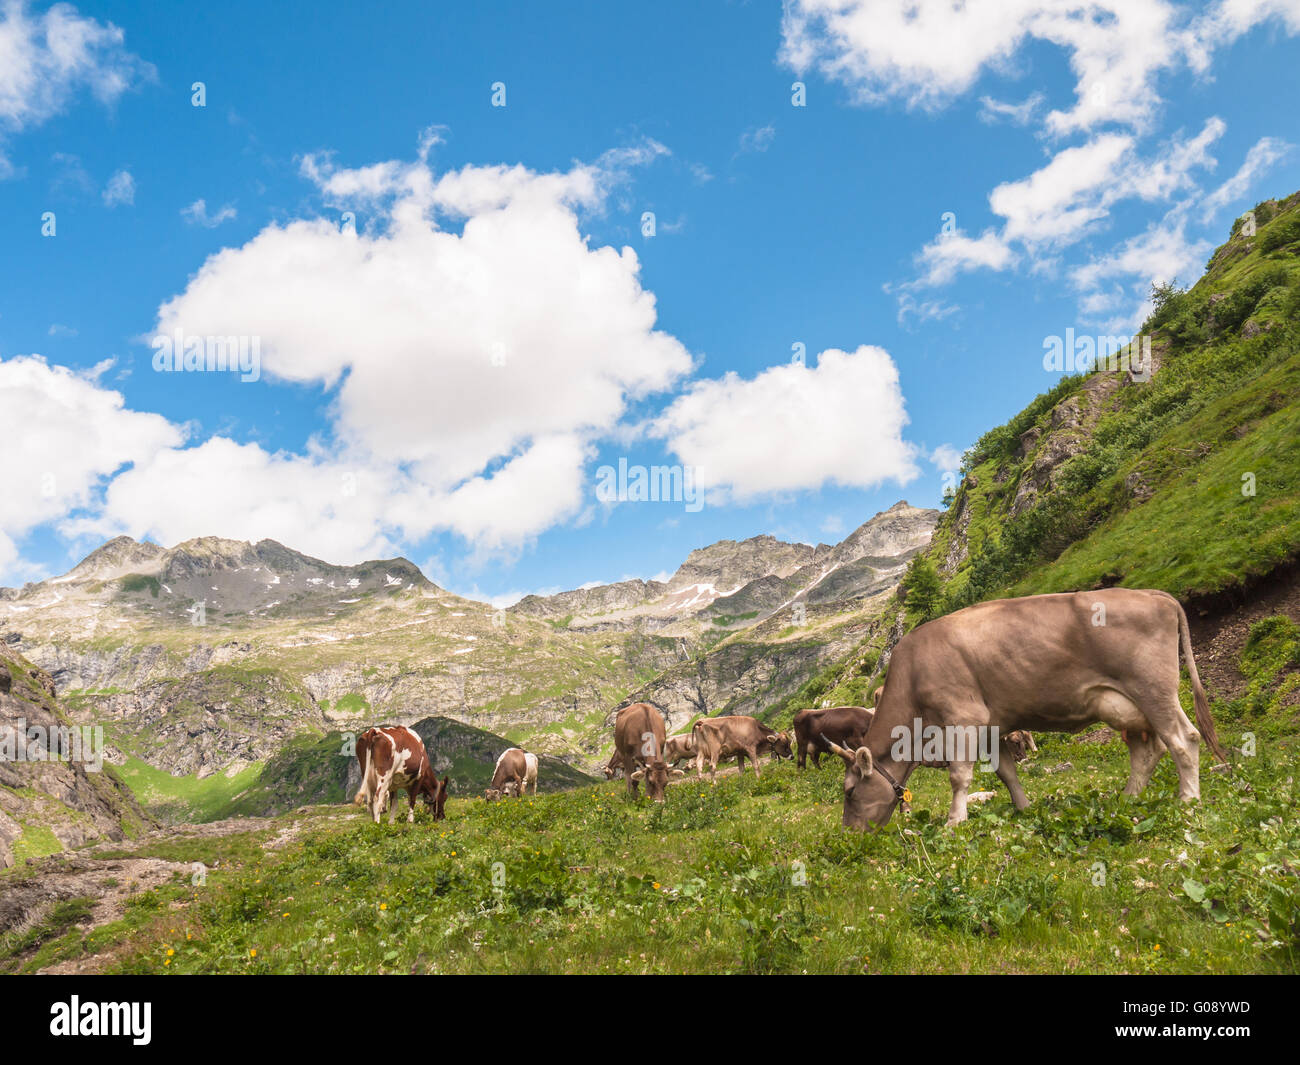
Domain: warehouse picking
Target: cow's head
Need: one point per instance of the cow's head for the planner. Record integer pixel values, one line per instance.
(656, 776)
(611, 772)
(1019, 744)
(510, 789)
(868, 797)
(781, 745)
(492, 794)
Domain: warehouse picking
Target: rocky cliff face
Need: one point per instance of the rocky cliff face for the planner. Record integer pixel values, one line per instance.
(48, 804)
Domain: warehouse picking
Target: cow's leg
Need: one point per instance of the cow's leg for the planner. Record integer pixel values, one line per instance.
(1144, 751)
(1007, 774)
(713, 770)
(1159, 708)
(1184, 744)
(960, 774)
(803, 756)
(631, 784)
(699, 765)
(817, 757)
(410, 794)
(753, 757)
(740, 763)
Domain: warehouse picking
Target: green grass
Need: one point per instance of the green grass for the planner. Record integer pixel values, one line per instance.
(758, 876)
(139, 582)
(185, 798)
(56, 925)
(1201, 532)
(36, 842)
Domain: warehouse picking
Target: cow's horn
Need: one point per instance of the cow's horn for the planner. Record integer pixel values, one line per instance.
(837, 749)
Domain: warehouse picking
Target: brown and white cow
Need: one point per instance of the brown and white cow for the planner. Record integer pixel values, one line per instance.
(515, 770)
(737, 736)
(1050, 663)
(679, 748)
(392, 759)
(639, 742)
(814, 729)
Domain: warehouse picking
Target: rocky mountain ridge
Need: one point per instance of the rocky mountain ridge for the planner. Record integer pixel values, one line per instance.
(750, 579)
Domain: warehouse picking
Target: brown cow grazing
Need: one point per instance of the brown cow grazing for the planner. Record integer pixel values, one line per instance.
(515, 769)
(639, 740)
(614, 766)
(679, 748)
(1051, 663)
(845, 725)
(393, 759)
(739, 737)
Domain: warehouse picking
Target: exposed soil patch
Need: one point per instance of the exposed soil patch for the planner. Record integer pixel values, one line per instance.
(1220, 625)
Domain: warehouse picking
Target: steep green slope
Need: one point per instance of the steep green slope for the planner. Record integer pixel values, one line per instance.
(1189, 481)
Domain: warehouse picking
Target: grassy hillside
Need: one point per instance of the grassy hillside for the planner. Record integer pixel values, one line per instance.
(748, 876)
(1188, 482)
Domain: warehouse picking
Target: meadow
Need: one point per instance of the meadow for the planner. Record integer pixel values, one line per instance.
(748, 876)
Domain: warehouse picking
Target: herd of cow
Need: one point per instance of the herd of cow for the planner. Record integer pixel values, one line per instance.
(1048, 663)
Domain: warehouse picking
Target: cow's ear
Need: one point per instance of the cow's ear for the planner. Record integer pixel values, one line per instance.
(862, 759)
(638, 774)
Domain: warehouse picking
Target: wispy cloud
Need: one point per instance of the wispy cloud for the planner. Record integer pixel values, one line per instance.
(120, 189)
(197, 214)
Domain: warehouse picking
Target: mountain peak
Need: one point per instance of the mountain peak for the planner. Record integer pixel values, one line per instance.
(119, 555)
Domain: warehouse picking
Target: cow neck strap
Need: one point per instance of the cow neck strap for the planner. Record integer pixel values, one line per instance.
(898, 788)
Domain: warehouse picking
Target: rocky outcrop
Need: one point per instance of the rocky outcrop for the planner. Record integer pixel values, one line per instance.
(1068, 431)
(54, 793)
(744, 676)
(208, 722)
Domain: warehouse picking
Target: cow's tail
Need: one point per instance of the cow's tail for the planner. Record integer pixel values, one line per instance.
(697, 740)
(1204, 721)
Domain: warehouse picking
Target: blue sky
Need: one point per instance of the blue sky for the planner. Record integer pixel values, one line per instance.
(446, 380)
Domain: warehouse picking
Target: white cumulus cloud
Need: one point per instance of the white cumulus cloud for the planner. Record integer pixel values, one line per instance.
(794, 427)
(65, 434)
